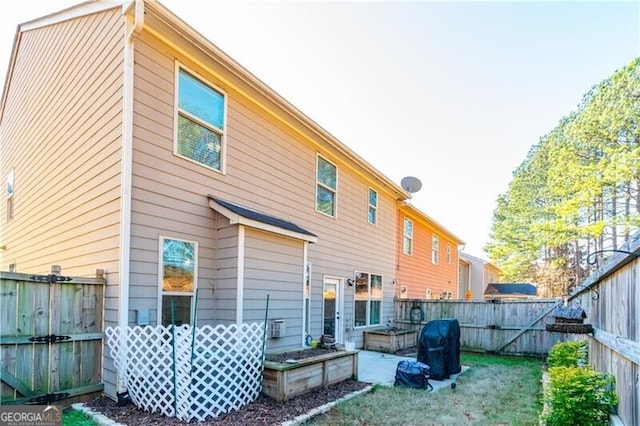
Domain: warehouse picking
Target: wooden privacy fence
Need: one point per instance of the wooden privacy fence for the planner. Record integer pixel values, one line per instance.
(497, 326)
(50, 337)
(611, 300)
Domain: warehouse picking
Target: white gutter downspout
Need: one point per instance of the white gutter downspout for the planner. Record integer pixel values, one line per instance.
(132, 29)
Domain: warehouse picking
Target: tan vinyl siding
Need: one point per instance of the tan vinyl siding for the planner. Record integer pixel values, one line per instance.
(226, 263)
(273, 267)
(268, 167)
(61, 133)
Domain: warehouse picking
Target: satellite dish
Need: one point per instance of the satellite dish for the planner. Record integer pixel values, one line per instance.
(411, 184)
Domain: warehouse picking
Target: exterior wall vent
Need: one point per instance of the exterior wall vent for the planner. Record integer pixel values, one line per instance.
(277, 328)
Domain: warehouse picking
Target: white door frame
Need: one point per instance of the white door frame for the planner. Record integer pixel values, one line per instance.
(339, 305)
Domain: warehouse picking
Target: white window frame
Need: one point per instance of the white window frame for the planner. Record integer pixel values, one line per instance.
(368, 299)
(407, 239)
(177, 112)
(435, 249)
(372, 207)
(448, 252)
(161, 292)
(327, 188)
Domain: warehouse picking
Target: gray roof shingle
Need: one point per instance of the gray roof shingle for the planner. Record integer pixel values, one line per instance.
(261, 217)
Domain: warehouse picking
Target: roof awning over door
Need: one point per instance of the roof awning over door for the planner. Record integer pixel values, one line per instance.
(241, 215)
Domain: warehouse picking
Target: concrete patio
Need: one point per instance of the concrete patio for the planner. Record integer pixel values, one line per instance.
(380, 368)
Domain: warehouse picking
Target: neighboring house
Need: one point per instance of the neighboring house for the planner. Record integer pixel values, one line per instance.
(132, 144)
(427, 257)
(510, 291)
(474, 276)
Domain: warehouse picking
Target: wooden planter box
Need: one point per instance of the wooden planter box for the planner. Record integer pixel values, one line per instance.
(389, 340)
(282, 381)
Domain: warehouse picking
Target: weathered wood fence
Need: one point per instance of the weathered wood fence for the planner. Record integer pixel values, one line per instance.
(500, 326)
(51, 337)
(611, 300)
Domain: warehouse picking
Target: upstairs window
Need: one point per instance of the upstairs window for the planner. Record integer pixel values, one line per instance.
(435, 247)
(10, 190)
(178, 269)
(200, 121)
(373, 206)
(448, 252)
(326, 187)
(368, 299)
(407, 244)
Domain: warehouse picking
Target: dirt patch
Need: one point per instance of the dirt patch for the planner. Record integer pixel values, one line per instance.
(263, 411)
(298, 355)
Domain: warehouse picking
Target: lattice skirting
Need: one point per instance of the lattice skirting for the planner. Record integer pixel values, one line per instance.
(208, 372)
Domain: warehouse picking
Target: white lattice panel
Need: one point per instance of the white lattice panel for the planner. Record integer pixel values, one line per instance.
(216, 369)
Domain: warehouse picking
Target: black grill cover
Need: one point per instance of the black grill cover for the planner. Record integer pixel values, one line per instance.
(439, 347)
(412, 374)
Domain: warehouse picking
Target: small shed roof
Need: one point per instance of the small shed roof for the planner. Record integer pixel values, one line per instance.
(568, 312)
(248, 216)
(511, 289)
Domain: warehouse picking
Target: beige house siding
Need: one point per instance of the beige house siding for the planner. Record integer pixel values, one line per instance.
(464, 279)
(481, 273)
(226, 273)
(61, 134)
(268, 168)
(274, 266)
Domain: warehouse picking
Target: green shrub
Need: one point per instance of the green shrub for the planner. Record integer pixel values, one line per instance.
(578, 396)
(568, 354)
(71, 417)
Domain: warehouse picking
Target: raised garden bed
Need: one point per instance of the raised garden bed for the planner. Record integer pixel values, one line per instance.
(295, 373)
(389, 340)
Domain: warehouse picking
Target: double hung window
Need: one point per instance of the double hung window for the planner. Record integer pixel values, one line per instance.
(178, 278)
(435, 248)
(200, 121)
(407, 244)
(326, 187)
(373, 206)
(10, 190)
(368, 299)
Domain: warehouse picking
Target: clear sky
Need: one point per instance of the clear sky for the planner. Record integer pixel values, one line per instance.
(453, 93)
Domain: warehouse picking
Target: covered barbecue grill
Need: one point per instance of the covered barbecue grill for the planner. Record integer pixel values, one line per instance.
(439, 347)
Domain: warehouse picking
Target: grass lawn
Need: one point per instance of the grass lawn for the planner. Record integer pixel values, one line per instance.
(496, 390)
(71, 417)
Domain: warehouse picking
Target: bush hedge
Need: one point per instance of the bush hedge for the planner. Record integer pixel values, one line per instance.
(568, 354)
(576, 394)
